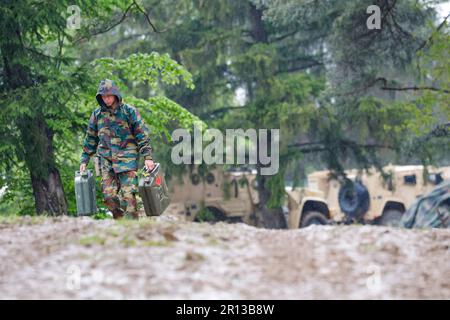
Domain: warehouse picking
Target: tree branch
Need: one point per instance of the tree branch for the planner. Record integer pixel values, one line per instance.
(430, 39)
(147, 17)
(387, 88)
(321, 146)
(129, 8)
(415, 89)
(284, 36)
(218, 111)
(299, 68)
(95, 33)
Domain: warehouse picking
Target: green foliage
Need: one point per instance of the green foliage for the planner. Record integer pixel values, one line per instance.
(44, 119)
(100, 216)
(16, 196)
(205, 215)
(148, 68)
(276, 185)
(226, 189)
(163, 114)
(315, 72)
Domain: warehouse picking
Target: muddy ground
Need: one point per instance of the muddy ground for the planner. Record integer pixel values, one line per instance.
(164, 258)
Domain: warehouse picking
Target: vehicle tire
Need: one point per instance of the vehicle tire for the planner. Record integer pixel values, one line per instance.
(210, 178)
(313, 217)
(354, 199)
(234, 220)
(195, 179)
(216, 215)
(391, 218)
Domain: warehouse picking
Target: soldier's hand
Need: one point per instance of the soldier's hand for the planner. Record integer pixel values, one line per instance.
(82, 167)
(149, 164)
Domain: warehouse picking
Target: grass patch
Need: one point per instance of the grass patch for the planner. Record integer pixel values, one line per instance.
(213, 242)
(114, 232)
(101, 216)
(127, 242)
(92, 240)
(156, 243)
(22, 220)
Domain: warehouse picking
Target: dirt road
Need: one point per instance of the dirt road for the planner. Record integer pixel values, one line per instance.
(163, 258)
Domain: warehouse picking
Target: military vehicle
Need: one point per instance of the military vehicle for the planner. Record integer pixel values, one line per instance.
(430, 211)
(217, 195)
(362, 197)
(231, 196)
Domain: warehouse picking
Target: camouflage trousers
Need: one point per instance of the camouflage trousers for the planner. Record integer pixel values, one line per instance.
(119, 190)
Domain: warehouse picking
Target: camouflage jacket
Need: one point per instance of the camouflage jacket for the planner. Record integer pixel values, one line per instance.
(118, 135)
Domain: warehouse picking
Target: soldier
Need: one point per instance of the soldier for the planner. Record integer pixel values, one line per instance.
(117, 133)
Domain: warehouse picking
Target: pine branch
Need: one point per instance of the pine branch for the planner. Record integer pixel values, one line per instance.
(219, 111)
(387, 88)
(147, 18)
(428, 41)
(95, 33)
(321, 146)
(415, 88)
(124, 16)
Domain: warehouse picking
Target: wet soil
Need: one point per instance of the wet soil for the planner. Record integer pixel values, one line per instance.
(165, 258)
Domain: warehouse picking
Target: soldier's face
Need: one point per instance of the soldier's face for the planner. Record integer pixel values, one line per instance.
(109, 100)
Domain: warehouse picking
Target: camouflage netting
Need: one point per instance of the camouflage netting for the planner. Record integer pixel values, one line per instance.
(430, 211)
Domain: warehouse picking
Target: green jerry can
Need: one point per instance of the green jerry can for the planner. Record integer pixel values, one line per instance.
(85, 193)
(153, 191)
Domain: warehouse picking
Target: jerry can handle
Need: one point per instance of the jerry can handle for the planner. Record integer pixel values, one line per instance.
(83, 173)
(146, 172)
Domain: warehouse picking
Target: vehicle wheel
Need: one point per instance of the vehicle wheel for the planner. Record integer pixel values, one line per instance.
(212, 215)
(354, 199)
(391, 218)
(210, 178)
(218, 214)
(234, 220)
(313, 217)
(195, 179)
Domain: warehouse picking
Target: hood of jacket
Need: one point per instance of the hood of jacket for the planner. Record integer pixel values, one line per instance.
(107, 87)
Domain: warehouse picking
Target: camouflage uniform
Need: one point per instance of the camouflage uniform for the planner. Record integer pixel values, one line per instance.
(118, 137)
(119, 189)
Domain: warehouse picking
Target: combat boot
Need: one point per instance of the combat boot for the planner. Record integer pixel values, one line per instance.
(118, 213)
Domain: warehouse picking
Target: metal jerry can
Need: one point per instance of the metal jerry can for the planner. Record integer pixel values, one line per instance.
(85, 193)
(153, 191)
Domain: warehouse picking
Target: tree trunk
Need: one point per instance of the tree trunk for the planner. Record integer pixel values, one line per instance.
(49, 194)
(259, 33)
(38, 151)
(36, 137)
(265, 217)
